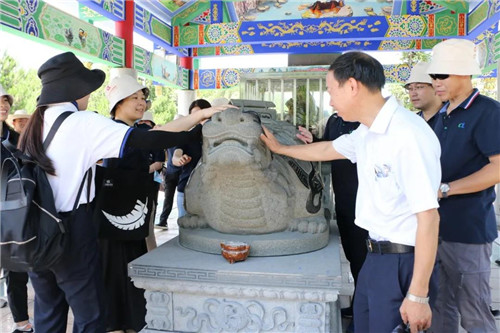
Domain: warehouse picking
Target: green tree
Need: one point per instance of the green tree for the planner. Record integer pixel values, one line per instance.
(164, 102)
(23, 85)
(211, 94)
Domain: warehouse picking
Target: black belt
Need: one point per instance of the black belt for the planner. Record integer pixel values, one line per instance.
(387, 247)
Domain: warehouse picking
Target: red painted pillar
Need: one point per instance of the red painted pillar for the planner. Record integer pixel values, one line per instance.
(187, 62)
(125, 29)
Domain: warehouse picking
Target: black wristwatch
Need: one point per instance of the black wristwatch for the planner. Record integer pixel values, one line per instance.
(444, 188)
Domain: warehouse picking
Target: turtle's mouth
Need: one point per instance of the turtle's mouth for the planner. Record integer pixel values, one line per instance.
(230, 142)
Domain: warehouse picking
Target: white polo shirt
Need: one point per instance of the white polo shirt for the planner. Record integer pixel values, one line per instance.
(83, 138)
(398, 164)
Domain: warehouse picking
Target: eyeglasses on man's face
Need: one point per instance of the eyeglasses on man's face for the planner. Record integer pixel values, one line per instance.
(439, 76)
(416, 87)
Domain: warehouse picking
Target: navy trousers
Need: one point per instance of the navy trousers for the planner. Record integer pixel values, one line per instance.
(76, 282)
(382, 285)
(17, 294)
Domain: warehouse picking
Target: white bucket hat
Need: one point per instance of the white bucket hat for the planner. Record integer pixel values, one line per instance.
(19, 114)
(120, 88)
(3, 92)
(148, 116)
(454, 57)
(118, 72)
(419, 74)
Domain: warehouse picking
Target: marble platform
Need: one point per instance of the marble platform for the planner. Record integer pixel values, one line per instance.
(190, 291)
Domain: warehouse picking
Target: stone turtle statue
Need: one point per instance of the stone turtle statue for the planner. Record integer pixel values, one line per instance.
(239, 187)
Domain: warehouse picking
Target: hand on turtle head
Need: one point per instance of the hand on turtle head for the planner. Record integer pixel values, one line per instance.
(270, 140)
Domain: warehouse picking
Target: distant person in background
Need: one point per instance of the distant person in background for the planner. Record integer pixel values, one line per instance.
(17, 291)
(156, 159)
(170, 180)
(186, 157)
(422, 94)
(18, 120)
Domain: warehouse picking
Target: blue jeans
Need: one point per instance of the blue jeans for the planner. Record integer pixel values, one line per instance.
(180, 204)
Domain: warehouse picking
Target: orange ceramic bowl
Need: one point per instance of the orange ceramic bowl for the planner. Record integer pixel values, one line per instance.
(234, 251)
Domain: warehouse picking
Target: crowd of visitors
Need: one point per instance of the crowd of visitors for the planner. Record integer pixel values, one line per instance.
(414, 192)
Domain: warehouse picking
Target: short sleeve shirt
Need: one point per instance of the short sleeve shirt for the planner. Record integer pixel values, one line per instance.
(398, 169)
(83, 139)
(469, 135)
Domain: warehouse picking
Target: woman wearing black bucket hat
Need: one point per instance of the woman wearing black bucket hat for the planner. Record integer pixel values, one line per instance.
(82, 140)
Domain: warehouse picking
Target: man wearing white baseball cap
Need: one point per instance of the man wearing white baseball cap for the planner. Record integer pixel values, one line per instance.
(422, 95)
(468, 128)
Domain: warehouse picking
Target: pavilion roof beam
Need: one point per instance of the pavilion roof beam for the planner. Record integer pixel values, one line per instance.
(405, 27)
(145, 23)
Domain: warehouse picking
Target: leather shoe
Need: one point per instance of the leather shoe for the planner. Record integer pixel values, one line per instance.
(495, 312)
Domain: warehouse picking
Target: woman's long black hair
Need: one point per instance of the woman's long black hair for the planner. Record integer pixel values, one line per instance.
(31, 141)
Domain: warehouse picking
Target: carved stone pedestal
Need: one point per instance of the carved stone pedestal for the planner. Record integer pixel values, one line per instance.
(190, 291)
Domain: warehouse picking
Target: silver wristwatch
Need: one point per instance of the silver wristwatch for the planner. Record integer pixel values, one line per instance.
(444, 188)
(417, 299)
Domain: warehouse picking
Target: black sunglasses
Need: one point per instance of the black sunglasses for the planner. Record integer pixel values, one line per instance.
(439, 76)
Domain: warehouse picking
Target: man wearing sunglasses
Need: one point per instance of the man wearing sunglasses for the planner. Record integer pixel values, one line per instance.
(468, 128)
(421, 93)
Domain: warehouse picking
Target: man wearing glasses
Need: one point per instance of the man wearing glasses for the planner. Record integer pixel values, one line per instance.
(422, 95)
(468, 128)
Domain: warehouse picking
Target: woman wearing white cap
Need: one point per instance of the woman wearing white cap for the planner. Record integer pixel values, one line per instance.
(125, 304)
(83, 139)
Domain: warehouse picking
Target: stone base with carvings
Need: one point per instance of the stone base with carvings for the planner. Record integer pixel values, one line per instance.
(189, 291)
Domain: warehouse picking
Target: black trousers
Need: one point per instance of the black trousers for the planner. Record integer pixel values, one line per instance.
(353, 239)
(17, 295)
(171, 180)
(75, 281)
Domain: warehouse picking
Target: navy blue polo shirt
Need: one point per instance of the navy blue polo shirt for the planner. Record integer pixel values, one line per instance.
(469, 135)
(344, 173)
(432, 120)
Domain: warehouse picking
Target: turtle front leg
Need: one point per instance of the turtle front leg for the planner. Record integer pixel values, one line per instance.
(189, 221)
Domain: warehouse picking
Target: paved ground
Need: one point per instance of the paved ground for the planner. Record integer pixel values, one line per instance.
(346, 292)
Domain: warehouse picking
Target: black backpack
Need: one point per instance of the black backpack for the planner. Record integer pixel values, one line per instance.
(33, 234)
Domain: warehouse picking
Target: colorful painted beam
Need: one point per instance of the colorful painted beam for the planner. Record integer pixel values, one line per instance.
(231, 77)
(160, 70)
(317, 47)
(379, 28)
(154, 29)
(46, 24)
(482, 17)
(112, 9)
(488, 49)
